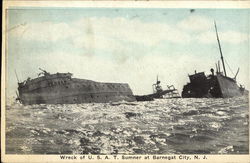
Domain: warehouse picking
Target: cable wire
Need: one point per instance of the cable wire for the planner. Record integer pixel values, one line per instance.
(230, 68)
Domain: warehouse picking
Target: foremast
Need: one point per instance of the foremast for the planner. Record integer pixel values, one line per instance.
(221, 55)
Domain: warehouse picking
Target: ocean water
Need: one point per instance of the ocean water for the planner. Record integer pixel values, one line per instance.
(163, 126)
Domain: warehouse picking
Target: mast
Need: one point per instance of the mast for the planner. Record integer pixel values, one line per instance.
(17, 77)
(220, 49)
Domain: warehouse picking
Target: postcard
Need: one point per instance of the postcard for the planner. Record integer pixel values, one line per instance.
(125, 81)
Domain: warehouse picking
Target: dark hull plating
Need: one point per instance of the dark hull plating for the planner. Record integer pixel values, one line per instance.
(229, 87)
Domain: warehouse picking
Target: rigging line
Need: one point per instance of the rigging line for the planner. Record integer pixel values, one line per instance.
(230, 68)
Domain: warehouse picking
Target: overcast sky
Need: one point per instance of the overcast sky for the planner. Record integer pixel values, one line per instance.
(126, 45)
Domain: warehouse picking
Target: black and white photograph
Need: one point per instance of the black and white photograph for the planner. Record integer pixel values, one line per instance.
(126, 81)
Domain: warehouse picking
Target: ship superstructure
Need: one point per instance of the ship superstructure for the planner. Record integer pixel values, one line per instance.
(159, 93)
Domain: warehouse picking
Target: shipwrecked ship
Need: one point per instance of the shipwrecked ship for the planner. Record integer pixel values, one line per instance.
(61, 88)
(158, 92)
(217, 85)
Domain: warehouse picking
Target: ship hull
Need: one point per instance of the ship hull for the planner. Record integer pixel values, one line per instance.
(217, 86)
(72, 91)
(229, 87)
(77, 99)
(158, 95)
